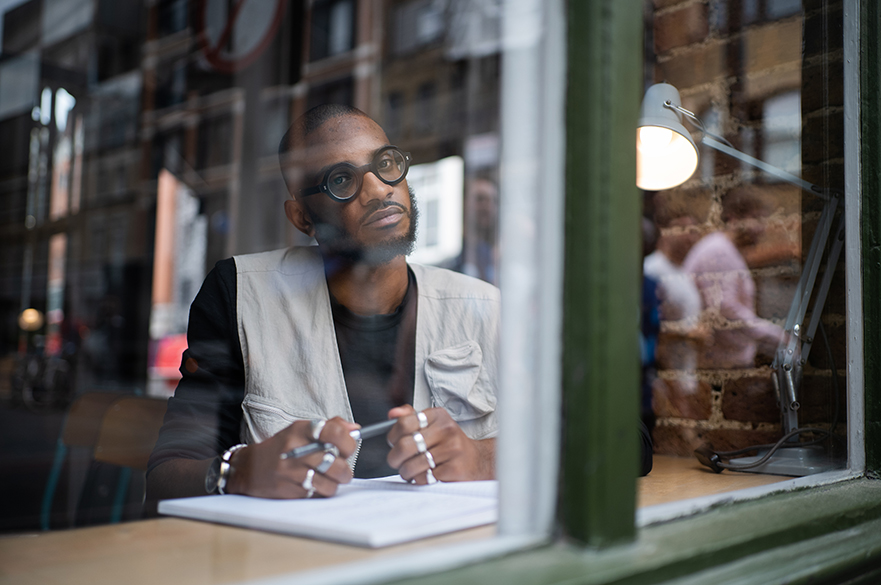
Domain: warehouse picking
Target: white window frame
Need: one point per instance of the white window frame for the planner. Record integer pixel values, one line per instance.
(531, 272)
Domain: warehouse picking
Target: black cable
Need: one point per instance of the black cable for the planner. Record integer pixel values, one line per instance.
(779, 444)
(713, 459)
(729, 454)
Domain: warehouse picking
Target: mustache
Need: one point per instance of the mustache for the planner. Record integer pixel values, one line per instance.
(382, 205)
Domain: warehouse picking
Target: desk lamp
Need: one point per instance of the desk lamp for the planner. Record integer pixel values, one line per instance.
(666, 156)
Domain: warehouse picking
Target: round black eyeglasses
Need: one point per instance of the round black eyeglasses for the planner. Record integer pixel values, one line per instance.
(343, 181)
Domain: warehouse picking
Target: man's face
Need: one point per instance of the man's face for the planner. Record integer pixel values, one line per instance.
(486, 204)
(379, 222)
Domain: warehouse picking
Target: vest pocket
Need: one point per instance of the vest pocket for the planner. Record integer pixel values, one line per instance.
(264, 419)
(452, 375)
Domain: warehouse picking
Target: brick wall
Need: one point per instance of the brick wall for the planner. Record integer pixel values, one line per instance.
(767, 76)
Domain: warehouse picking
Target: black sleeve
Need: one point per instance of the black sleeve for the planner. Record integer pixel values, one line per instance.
(645, 446)
(205, 414)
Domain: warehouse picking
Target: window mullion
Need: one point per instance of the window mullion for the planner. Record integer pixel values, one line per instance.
(602, 281)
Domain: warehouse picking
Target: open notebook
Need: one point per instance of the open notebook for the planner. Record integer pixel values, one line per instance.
(366, 512)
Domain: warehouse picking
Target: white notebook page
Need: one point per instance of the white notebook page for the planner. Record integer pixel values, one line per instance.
(371, 513)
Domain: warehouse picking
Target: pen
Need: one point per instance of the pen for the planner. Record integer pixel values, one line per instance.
(358, 434)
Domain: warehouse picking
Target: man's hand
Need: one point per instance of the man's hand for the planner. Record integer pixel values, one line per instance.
(456, 457)
(258, 470)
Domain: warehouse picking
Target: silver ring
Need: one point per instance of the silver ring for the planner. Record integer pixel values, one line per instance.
(307, 483)
(316, 425)
(430, 459)
(421, 447)
(326, 462)
(423, 420)
(430, 478)
(331, 448)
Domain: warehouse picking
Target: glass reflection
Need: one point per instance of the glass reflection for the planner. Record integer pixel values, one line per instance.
(733, 241)
(139, 149)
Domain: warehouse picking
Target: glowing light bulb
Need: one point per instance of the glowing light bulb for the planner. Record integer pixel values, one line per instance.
(655, 137)
(30, 319)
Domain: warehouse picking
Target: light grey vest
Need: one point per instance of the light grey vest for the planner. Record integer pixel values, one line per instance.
(292, 363)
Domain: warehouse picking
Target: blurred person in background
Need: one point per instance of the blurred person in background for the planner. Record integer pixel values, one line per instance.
(480, 258)
(727, 288)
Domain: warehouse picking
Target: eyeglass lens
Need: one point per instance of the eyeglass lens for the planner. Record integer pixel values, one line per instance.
(389, 165)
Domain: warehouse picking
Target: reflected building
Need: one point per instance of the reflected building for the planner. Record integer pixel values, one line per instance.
(70, 183)
(100, 99)
(440, 97)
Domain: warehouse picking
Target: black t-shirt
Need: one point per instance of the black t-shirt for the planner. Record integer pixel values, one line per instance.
(205, 415)
(377, 353)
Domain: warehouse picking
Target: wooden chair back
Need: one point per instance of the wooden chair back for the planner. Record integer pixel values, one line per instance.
(84, 418)
(129, 431)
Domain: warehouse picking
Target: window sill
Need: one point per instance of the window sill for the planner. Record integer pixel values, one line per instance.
(417, 565)
(815, 532)
(649, 515)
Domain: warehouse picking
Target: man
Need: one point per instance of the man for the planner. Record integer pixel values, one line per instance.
(480, 259)
(304, 344)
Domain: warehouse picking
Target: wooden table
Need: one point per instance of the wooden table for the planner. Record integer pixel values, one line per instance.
(173, 550)
(680, 478)
(181, 551)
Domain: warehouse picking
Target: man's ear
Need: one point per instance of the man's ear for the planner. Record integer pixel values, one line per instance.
(299, 217)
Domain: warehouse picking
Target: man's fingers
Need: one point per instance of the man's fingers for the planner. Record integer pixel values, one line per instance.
(408, 421)
(336, 432)
(339, 470)
(291, 481)
(323, 485)
(399, 411)
(298, 484)
(421, 479)
(417, 465)
(296, 435)
(406, 447)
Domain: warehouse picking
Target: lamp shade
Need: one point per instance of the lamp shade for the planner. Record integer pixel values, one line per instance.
(666, 155)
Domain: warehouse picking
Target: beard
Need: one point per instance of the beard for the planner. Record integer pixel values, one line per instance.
(336, 243)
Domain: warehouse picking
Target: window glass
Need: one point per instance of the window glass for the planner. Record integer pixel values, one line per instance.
(728, 251)
(139, 148)
(19, 81)
(21, 27)
(61, 19)
(173, 16)
(332, 31)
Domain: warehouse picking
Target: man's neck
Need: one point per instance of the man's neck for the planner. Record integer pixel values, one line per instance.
(370, 290)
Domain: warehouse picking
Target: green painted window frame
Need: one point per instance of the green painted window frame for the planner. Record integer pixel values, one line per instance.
(601, 281)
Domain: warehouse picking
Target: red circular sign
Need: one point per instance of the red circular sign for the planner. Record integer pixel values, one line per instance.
(232, 38)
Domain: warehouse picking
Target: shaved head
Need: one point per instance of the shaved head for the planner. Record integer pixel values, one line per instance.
(297, 136)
